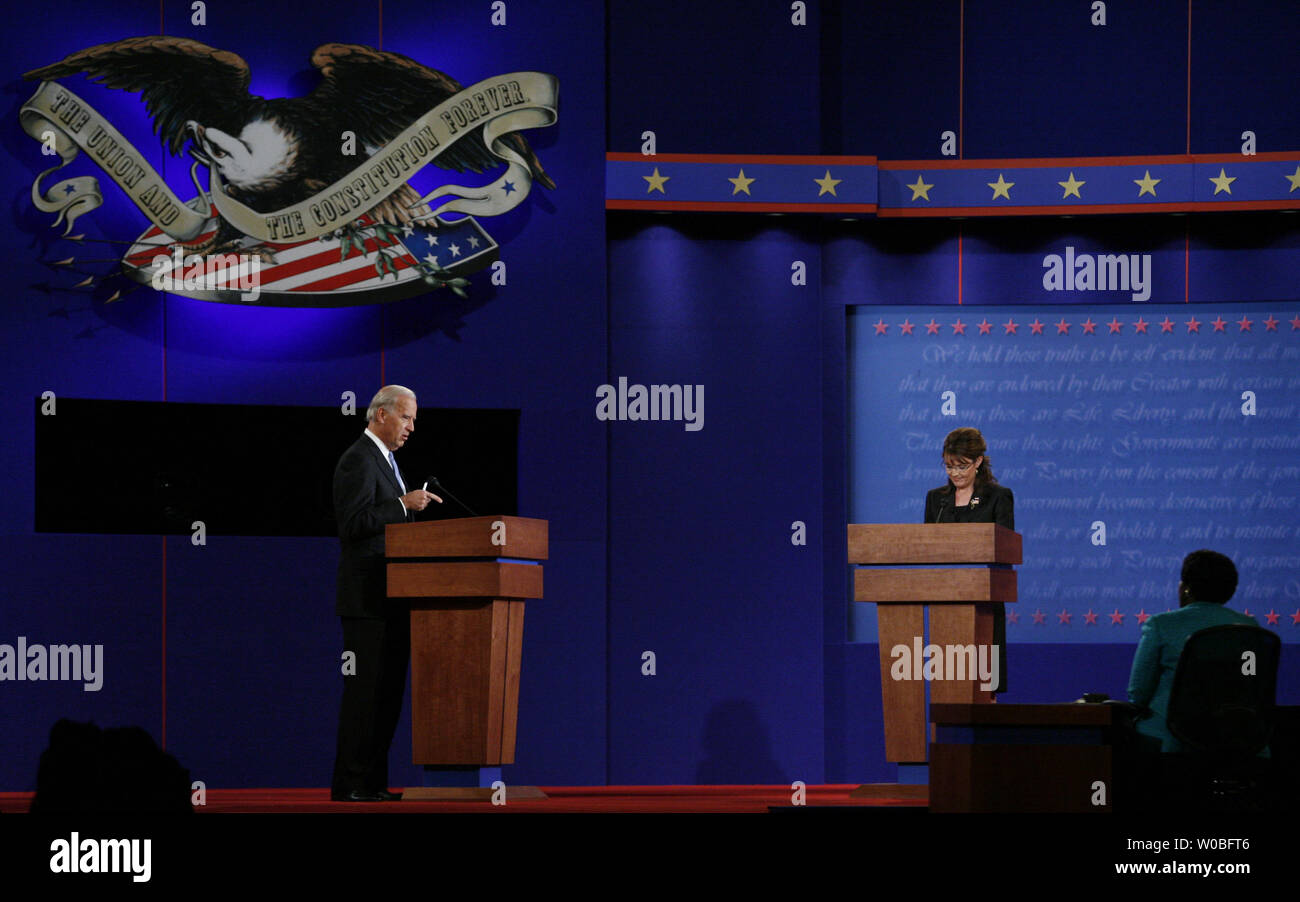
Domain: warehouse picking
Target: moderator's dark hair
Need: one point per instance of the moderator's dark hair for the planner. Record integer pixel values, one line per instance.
(967, 443)
(1209, 576)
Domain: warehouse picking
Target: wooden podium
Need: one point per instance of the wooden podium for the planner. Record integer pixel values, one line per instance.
(465, 581)
(959, 608)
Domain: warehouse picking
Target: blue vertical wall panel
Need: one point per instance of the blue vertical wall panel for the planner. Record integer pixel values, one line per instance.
(1251, 258)
(703, 570)
(253, 669)
(89, 591)
(900, 89)
(719, 77)
(1043, 81)
(1242, 76)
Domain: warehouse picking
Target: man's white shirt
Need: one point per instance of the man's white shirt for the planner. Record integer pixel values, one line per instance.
(383, 449)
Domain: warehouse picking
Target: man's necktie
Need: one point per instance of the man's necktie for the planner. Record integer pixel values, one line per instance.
(392, 460)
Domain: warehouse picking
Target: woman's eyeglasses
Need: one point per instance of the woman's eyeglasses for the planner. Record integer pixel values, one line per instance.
(957, 468)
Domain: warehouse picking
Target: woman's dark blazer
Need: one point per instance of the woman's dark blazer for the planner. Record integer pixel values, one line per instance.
(996, 505)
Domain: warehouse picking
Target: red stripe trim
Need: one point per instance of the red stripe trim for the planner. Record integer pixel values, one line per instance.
(1048, 162)
(1034, 162)
(787, 159)
(1270, 156)
(1181, 207)
(1017, 163)
(728, 207)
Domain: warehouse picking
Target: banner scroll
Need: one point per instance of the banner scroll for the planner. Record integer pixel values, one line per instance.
(500, 105)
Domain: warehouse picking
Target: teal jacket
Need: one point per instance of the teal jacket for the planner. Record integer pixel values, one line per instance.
(1152, 679)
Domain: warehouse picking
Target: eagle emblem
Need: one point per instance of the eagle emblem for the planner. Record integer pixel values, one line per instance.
(312, 194)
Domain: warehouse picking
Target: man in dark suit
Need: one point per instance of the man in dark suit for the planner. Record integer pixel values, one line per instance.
(369, 493)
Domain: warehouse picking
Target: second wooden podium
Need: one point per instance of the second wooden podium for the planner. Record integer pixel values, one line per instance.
(960, 608)
(466, 581)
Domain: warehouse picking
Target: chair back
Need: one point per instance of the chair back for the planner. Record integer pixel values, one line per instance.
(1224, 693)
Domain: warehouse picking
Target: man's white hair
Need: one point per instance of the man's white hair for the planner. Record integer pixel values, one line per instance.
(387, 398)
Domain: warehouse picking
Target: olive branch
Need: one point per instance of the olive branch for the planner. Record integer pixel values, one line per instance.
(354, 237)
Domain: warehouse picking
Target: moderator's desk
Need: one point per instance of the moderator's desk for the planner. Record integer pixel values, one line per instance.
(988, 758)
(994, 758)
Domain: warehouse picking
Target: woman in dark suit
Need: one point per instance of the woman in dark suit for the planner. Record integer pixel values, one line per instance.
(972, 495)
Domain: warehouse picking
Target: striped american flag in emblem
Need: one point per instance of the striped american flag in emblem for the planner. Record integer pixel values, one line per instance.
(374, 264)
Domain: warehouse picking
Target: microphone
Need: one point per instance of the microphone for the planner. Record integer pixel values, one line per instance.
(939, 516)
(442, 489)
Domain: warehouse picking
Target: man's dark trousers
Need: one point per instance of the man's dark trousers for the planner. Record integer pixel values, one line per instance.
(372, 699)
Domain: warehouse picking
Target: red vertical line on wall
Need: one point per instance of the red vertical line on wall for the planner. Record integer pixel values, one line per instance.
(609, 440)
(383, 308)
(163, 296)
(961, 92)
(959, 264)
(961, 130)
(609, 519)
(164, 643)
(162, 29)
(1189, 77)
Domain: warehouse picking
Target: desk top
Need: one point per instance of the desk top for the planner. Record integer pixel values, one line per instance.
(1062, 715)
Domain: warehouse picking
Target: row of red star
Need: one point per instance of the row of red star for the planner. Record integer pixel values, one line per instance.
(1089, 327)
(1117, 619)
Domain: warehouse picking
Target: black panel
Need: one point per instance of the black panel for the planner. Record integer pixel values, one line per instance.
(123, 467)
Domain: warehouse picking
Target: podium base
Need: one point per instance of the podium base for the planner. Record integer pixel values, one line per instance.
(912, 791)
(465, 783)
(459, 776)
(914, 774)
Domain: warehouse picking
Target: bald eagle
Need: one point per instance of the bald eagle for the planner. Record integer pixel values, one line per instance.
(275, 153)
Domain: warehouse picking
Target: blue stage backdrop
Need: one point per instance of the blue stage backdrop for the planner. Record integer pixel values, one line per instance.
(664, 539)
(1130, 435)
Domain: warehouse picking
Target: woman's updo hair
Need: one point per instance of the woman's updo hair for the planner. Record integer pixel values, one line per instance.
(967, 443)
